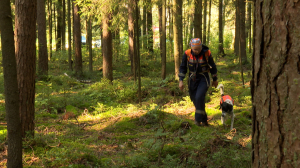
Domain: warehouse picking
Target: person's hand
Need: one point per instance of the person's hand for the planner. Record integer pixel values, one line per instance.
(181, 85)
(215, 84)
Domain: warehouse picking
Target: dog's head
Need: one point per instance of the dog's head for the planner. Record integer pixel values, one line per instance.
(227, 107)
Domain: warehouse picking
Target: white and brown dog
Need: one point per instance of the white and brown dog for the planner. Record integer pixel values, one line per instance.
(226, 105)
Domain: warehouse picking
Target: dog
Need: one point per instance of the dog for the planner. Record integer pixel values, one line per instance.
(226, 105)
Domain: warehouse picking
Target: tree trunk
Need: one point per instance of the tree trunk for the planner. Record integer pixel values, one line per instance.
(221, 45)
(237, 28)
(50, 27)
(107, 47)
(144, 24)
(25, 32)
(63, 26)
(69, 36)
(209, 21)
(77, 37)
(177, 28)
(276, 76)
(149, 27)
(14, 134)
(42, 37)
(198, 19)
(59, 25)
(242, 38)
(138, 53)
(131, 37)
(162, 28)
(89, 43)
(204, 22)
(249, 25)
(171, 36)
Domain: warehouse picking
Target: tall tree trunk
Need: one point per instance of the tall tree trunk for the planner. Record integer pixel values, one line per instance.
(69, 36)
(107, 47)
(237, 28)
(25, 32)
(221, 45)
(177, 28)
(138, 52)
(249, 21)
(63, 26)
(209, 21)
(171, 36)
(242, 31)
(77, 38)
(198, 19)
(14, 134)
(131, 37)
(50, 27)
(162, 28)
(59, 25)
(276, 74)
(144, 23)
(89, 43)
(149, 27)
(204, 22)
(42, 37)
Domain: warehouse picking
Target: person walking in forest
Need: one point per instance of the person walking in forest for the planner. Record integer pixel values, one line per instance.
(199, 61)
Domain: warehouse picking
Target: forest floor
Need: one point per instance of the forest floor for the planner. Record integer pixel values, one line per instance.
(97, 124)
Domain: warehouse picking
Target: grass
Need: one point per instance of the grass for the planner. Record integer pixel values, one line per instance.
(102, 125)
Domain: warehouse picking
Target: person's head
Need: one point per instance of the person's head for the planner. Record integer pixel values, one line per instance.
(196, 45)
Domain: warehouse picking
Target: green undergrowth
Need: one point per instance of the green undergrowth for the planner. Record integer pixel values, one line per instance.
(102, 124)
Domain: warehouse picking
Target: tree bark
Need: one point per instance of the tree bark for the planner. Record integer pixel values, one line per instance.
(63, 26)
(209, 21)
(198, 19)
(221, 44)
(107, 47)
(131, 37)
(144, 23)
(149, 27)
(171, 36)
(237, 28)
(42, 38)
(89, 43)
(276, 76)
(204, 22)
(138, 53)
(25, 32)
(177, 28)
(59, 25)
(162, 28)
(50, 27)
(242, 38)
(14, 134)
(249, 21)
(69, 36)
(77, 38)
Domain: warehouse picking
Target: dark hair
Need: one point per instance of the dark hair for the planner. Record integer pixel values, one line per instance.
(226, 107)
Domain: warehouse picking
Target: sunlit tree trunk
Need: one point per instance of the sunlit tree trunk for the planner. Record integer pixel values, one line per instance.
(131, 37)
(42, 38)
(198, 19)
(209, 21)
(25, 36)
(69, 36)
(138, 52)
(77, 37)
(221, 45)
(276, 76)
(171, 36)
(107, 47)
(249, 21)
(177, 28)
(144, 23)
(162, 28)
(14, 134)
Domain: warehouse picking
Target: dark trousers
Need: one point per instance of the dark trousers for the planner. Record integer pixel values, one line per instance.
(197, 90)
